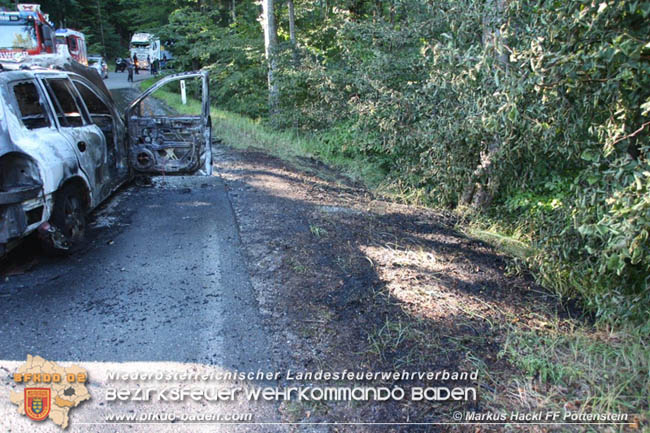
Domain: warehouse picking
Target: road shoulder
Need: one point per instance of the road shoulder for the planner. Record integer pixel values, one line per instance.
(346, 280)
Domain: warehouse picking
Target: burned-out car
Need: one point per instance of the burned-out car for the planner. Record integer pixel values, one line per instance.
(64, 149)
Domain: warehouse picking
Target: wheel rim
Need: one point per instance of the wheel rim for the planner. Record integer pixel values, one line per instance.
(74, 224)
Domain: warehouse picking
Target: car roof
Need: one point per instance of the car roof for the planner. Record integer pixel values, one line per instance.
(71, 32)
(57, 63)
(26, 74)
(7, 76)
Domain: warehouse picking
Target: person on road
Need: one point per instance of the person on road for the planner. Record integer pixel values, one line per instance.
(120, 64)
(135, 62)
(129, 68)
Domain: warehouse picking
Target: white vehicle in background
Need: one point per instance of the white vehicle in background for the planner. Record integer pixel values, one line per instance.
(147, 47)
(98, 63)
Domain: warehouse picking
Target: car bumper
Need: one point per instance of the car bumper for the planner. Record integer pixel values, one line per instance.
(19, 195)
(21, 210)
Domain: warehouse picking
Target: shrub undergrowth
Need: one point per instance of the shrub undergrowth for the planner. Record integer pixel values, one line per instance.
(424, 98)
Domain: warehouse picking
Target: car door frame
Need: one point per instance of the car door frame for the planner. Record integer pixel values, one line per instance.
(205, 154)
(119, 145)
(86, 166)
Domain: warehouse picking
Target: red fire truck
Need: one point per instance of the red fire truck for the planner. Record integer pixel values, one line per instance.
(26, 32)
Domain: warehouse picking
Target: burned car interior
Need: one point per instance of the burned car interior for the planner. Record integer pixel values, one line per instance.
(66, 105)
(166, 144)
(98, 110)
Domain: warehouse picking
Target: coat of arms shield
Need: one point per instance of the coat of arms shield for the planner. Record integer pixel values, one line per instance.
(37, 403)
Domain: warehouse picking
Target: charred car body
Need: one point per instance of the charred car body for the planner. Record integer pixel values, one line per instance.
(64, 148)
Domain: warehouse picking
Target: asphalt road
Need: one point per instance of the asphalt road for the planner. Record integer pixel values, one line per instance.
(160, 284)
(119, 80)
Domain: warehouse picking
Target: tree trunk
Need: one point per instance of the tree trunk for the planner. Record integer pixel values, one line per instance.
(484, 182)
(492, 21)
(292, 23)
(378, 11)
(476, 194)
(233, 10)
(270, 47)
(292, 34)
(101, 28)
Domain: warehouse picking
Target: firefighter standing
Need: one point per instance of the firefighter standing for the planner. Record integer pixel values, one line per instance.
(129, 68)
(135, 62)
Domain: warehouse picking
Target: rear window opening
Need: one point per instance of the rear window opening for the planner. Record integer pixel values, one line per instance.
(32, 111)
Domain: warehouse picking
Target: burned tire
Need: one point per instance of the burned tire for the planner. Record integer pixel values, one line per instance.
(69, 216)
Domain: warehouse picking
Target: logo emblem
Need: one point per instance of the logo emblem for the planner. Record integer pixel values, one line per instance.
(37, 403)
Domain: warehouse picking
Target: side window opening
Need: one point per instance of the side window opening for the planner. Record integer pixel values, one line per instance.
(72, 44)
(39, 29)
(33, 113)
(171, 93)
(100, 114)
(67, 110)
(94, 104)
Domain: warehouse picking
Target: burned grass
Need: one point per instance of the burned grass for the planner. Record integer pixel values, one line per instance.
(350, 281)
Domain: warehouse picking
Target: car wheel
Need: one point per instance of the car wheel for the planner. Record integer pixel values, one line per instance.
(69, 215)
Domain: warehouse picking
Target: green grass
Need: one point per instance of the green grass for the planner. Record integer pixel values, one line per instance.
(508, 243)
(318, 232)
(241, 132)
(173, 100)
(601, 368)
(596, 369)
